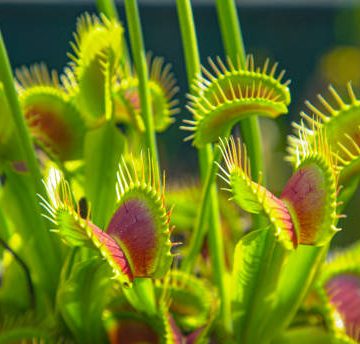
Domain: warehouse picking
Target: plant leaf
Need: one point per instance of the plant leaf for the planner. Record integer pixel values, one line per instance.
(53, 119)
(193, 300)
(21, 334)
(311, 193)
(253, 284)
(253, 197)
(103, 149)
(140, 224)
(341, 125)
(339, 288)
(162, 90)
(98, 50)
(310, 335)
(9, 143)
(232, 94)
(82, 298)
(78, 231)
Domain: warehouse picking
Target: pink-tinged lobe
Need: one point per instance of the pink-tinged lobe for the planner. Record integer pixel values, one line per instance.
(306, 195)
(132, 331)
(132, 225)
(113, 249)
(282, 215)
(344, 294)
(51, 129)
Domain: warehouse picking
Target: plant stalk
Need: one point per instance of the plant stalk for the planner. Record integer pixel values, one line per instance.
(209, 208)
(143, 290)
(138, 52)
(273, 259)
(22, 130)
(234, 47)
(47, 252)
(293, 287)
(108, 8)
(200, 225)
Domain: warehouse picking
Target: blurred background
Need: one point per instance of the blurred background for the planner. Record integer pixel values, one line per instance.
(316, 41)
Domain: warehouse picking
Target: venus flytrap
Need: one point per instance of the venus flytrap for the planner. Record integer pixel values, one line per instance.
(312, 191)
(219, 102)
(253, 197)
(235, 49)
(140, 207)
(188, 302)
(162, 89)
(95, 64)
(305, 213)
(338, 289)
(308, 260)
(119, 281)
(209, 202)
(232, 93)
(55, 122)
(138, 51)
(341, 124)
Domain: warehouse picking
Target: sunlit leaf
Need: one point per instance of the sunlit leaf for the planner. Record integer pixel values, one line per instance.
(81, 300)
(101, 168)
(233, 93)
(53, 119)
(253, 284)
(140, 223)
(341, 124)
(253, 197)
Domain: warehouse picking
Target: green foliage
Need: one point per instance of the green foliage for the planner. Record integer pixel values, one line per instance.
(234, 93)
(100, 169)
(258, 261)
(88, 249)
(82, 297)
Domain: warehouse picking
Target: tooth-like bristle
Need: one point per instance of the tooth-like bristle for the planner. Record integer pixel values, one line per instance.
(223, 87)
(336, 96)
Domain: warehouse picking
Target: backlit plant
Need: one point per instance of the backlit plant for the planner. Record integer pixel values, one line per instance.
(96, 248)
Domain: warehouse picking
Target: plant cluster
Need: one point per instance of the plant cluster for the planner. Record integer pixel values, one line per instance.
(95, 248)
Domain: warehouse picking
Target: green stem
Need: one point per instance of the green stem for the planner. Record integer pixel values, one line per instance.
(209, 208)
(22, 130)
(188, 34)
(108, 8)
(137, 48)
(272, 262)
(47, 252)
(292, 289)
(231, 31)
(234, 46)
(143, 289)
(200, 226)
(193, 66)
